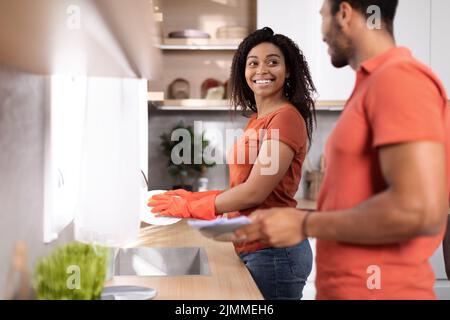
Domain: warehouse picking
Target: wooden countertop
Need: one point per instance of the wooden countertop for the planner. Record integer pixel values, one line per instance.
(229, 277)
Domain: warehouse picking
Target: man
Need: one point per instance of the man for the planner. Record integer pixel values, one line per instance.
(383, 204)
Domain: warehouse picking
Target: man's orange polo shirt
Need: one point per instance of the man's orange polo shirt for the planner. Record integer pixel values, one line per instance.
(396, 100)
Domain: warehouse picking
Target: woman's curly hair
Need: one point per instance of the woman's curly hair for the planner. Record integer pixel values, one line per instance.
(299, 89)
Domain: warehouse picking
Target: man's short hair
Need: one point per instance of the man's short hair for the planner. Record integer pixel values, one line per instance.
(388, 9)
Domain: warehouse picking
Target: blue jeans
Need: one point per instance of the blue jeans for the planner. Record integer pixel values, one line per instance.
(280, 273)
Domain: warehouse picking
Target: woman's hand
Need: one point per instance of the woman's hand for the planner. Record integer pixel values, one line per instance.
(188, 195)
(184, 204)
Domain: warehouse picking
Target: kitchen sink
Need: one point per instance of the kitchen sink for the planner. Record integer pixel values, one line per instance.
(162, 262)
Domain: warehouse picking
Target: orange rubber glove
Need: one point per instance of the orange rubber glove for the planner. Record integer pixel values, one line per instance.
(191, 196)
(185, 204)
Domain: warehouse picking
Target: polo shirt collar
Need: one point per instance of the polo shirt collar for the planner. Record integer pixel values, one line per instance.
(372, 64)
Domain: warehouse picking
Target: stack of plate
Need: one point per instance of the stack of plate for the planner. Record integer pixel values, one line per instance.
(220, 229)
(127, 293)
(189, 33)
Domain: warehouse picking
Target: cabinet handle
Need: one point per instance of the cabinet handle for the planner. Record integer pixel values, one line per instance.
(60, 179)
(145, 178)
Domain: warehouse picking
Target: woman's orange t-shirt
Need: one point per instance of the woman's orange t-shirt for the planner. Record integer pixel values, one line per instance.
(290, 126)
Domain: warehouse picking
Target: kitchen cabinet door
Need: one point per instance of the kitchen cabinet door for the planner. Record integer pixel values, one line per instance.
(440, 41)
(301, 21)
(63, 142)
(96, 145)
(292, 18)
(332, 83)
(110, 188)
(412, 27)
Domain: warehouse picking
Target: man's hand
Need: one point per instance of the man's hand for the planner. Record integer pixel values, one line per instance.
(279, 227)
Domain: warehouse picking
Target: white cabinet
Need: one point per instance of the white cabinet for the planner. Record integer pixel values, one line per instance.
(440, 41)
(415, 23)
(293, 19)
(63, 144)
(301, 21)
(96, 145)
(412, 27)
(110, 196)
(332, 83)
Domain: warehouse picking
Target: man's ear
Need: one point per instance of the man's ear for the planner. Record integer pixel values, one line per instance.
(345, 14)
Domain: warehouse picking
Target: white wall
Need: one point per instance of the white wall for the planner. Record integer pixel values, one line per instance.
(412, 27)
(421, 25)
(440, 41)
(22, 124)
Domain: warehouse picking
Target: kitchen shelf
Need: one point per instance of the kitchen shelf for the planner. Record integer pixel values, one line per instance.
(336, 106)
(200, 44)
(192, 105)
(222, 105)
(198, 47)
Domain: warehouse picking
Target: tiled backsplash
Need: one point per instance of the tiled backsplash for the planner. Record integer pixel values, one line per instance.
(162, 121)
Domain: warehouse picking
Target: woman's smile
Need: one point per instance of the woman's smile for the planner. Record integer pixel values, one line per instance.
(263, 82)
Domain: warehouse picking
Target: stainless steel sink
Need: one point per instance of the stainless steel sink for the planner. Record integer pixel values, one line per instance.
(162, 262)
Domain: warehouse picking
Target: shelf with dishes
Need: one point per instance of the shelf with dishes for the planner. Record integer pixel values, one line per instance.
(224, 30)
(200, 44)
(223, 105)
(191, 105)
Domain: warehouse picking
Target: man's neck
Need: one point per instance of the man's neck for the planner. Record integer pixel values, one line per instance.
(370, 47)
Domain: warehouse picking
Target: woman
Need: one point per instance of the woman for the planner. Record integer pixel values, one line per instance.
(269, 78)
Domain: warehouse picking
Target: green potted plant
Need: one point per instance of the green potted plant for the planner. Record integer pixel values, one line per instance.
(182, 172)
(75, 271)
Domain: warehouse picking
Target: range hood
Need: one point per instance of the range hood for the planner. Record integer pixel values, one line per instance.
(104, 38)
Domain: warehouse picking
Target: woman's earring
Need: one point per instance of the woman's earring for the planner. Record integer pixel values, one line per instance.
(287, 89)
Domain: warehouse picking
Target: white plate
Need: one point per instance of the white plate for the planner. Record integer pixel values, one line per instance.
(148, 217)
(220, 229)
(127, 293)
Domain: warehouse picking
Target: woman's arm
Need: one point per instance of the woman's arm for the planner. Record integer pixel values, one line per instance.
(273, 161)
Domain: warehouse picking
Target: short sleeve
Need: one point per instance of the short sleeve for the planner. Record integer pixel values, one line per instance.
(404, 104)
(289, 127)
